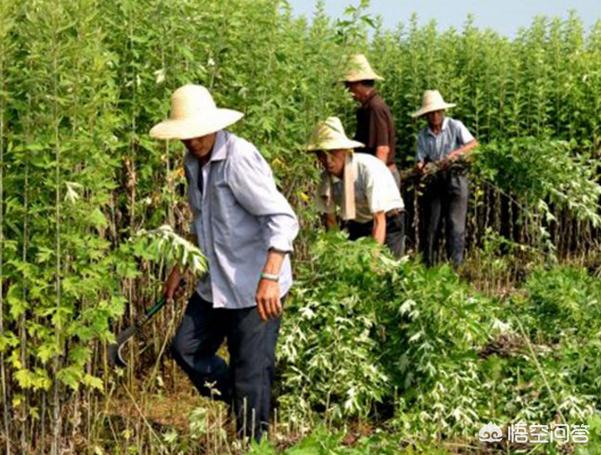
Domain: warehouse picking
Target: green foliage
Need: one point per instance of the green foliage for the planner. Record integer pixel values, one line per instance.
(362, 325)
(560, 314)
(450, 359)
(58, 178)
(563, 299)
(443, 324)
(594, 445)
(82, 82)
(324, 441)
(543, 171)
(335, 305)
(163, 244)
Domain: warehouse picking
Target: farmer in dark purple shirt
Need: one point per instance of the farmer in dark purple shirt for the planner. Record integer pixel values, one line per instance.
(375, 125)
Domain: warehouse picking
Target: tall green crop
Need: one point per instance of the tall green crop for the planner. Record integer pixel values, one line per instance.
(82, 82)
(59, 282)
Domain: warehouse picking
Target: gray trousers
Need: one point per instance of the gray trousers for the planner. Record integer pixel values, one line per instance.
(446, 198)
(246, 381)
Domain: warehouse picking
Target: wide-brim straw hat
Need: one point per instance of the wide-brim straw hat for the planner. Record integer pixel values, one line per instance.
(330, 135)
(359, 69)
(432, 101)
(193, 114)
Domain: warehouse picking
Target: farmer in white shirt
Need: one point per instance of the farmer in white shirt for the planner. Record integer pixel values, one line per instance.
(361, 185)
(442, 141)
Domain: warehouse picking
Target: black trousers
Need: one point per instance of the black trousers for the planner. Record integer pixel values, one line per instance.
(395, 232)
(446, 197)
(246, 381)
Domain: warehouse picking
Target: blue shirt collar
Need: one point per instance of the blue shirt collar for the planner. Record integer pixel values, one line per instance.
(219, 149)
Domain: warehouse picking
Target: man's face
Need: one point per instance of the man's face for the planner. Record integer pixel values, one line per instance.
(356, 89)
(201, 146)
(435, 118)
(333, 161)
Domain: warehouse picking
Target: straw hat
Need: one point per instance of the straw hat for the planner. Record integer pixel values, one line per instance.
(329, 135)
(360, 70)
(432, 101)
(193, 114)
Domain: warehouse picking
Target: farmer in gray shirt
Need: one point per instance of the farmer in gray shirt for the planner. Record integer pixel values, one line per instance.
(442, 141)
(245, 228)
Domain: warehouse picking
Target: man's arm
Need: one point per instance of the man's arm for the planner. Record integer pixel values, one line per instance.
(382, 152)
(463, 150)
(329, 221)
(252, 184)
(380, 137)
(420, 154)
(466, 138)
(379, 229)
(251, 181)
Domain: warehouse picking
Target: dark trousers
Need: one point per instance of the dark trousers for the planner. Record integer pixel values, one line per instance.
(446, 198)
(246, 381)
(395, 232)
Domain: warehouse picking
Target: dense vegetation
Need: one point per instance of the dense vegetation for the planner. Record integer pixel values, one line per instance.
(391, 351)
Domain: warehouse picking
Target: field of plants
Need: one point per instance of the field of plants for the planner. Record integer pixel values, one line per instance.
(375, 356)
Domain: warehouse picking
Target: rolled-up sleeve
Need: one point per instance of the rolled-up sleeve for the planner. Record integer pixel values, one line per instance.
(464, 134)
(251, 182)
(379, 188)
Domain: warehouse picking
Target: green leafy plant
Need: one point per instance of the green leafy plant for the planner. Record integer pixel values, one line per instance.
(162, 244)
(82, 82)
(329, 354)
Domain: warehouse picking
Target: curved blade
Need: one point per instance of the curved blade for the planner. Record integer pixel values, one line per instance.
(115, 349)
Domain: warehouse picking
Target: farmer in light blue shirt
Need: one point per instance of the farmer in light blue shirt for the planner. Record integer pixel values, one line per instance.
(245, 228)
(446, 195)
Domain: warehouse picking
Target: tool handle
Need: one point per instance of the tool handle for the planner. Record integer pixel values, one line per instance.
(156, 307)
(152, 311)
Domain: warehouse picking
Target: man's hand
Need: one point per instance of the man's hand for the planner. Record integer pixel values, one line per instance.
(268, 291)
(268, 299)
(420, 166)
(463, 150)
(445, 163)
(172, 284)
(453, 155)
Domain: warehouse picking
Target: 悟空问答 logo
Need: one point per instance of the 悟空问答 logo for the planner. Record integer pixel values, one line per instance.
(490, 433)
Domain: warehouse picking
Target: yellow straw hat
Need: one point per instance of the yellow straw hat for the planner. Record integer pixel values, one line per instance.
(330, 135)
(432, 101)
(360, 70)
(193, 114)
